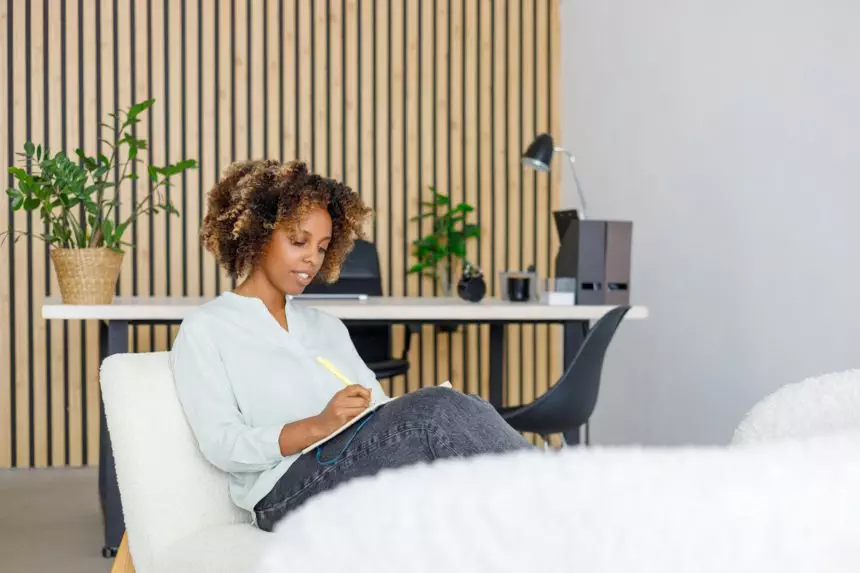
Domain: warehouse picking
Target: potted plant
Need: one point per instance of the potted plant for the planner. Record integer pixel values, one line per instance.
(79, 214)
(443, 251)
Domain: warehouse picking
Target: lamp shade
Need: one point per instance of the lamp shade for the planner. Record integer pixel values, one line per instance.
(539, 153)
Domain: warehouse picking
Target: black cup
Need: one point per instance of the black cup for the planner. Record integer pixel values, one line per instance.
(518, 289)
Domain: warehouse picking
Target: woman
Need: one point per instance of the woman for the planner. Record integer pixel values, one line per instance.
(262, 377)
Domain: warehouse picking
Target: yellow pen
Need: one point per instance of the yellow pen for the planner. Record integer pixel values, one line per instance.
(331, 368)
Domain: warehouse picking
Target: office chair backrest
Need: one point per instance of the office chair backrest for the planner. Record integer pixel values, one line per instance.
(571, 401)
(360, 274)
(575, 396)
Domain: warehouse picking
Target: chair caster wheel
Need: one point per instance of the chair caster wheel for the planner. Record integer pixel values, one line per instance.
(109, 552)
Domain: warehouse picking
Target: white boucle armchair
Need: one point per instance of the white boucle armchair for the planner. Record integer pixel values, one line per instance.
(783, 494)
(178, 514)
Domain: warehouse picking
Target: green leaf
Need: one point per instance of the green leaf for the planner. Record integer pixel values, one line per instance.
(443, 225)
(39, 152)
(187, 164)
(91, 208)
(98, 186)
(177, 168)
(471, 231)
(101, 171)
(120, 230)
(19, 173)
(416, 268)
(103, 160)
(107, 230)
(463, 208)
(29, 148)
(153, 172)
(88, 162)
(457, 244)
(139, 108)
(42, 192)
(133, 176)
(31, 203)
(17, 202)
(429, 241)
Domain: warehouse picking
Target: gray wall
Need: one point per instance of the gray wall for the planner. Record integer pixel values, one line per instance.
(729, 131)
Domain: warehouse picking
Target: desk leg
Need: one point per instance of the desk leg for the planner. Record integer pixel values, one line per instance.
(497, 364)
(113, 339)
(574, 336)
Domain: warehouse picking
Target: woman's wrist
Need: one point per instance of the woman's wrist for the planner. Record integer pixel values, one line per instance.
(296, 436)
(319, 429)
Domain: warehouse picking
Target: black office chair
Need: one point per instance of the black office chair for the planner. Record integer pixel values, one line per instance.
(571, 401)
(360, 274)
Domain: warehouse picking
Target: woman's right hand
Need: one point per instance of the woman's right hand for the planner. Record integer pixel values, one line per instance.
(344, 406)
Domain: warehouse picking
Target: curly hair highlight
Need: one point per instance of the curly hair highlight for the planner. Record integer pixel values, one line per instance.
(255, 197)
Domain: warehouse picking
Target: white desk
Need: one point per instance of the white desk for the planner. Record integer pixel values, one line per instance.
(497, 313)
(384, 309)
(115, 318)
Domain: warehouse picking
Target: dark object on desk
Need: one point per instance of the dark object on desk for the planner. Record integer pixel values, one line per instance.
(471, 286)
(360, 275)
(571, 401)
(519, 288)
(597, 255)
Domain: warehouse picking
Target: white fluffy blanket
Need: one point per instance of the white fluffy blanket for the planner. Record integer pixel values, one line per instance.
(785, 507)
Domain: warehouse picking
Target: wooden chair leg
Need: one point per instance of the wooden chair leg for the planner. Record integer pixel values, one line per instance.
(122, 562)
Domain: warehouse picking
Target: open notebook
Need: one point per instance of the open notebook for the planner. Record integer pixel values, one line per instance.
(358, 418)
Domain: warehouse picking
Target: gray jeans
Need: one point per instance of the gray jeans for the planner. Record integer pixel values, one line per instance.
(421, 426)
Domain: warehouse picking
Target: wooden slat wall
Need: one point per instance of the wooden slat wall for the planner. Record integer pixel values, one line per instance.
(390, 95)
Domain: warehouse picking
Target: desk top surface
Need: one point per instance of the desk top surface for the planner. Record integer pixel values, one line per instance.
(428, 309)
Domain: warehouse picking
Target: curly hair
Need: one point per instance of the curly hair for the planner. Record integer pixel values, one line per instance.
(254, 197)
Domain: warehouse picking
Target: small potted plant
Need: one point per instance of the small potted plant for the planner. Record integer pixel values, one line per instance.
(444, 250)
(73, 200)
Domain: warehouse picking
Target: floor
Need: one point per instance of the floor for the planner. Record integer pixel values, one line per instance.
(50, 522)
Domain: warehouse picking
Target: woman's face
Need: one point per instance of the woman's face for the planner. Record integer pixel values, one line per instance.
(293, 257)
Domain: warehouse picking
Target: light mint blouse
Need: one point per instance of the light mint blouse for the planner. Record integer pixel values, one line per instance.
(241, 377)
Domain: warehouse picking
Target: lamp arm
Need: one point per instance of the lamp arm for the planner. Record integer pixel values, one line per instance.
(575, 179)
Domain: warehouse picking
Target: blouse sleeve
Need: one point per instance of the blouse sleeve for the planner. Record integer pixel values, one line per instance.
(210, 407)
(346, 349)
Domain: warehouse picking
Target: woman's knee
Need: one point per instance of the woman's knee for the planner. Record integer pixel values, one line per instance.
(437, 397)
(444, 403)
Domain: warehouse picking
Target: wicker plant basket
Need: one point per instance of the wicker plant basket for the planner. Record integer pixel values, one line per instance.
(87, 276)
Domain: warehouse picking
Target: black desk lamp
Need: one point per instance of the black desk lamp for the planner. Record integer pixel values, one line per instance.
(538, 156)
